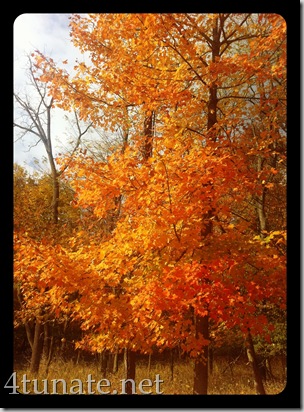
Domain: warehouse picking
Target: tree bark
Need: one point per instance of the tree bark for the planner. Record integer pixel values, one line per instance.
(258, 382)
(50, 355)
(29, 334)
(130, 369)
(149, 363)
(37, 347)
(200, 386)
(172, 363)
(202, 322)
(260, 200)
(46, 340)
(210, 359)
(115, 362)
(149, 125)
(103, 358)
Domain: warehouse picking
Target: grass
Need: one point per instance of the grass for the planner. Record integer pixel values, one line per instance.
(223, 380)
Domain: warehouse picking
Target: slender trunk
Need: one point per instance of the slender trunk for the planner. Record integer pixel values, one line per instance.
(78, 357)
(200, 386)
(210, 359)
(48, 147)
(269, 368)
(37, 348)
(149, 125)
(260, 208)
(103, 358)
(212, 107)
(28, 330)
(46, 340)
(130, 368)
(149, 363)
(50, 355)
(172, 363)
(115, 362)
(110, 362)
(29, 334)
(283, 363)
(260, 200)
(252, 358)
(202, 322)
(55, 199)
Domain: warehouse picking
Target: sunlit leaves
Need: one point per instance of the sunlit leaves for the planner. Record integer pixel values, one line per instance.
(174, 235)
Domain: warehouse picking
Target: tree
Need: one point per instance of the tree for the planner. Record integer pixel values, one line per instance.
(36, 120)
(188, 193)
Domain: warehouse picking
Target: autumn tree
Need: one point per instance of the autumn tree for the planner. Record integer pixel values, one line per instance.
(192, 190)
(35, 119)
(33, 116)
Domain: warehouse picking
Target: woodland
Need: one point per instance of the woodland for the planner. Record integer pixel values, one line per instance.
(160, 246)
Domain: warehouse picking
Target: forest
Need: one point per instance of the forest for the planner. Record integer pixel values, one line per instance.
(158, 247)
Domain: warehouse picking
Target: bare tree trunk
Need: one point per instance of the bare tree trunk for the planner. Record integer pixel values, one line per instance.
(115, 362)
(283, 363)
(172, 363)
(260, 200)
(200, 386)
(260, 208)
(29, 334)
(103, 362)
(258, 382)
(46, 340)
(130, 368)
(210, 359)
(149, 363)
(55, 200)
(27, 326)
(50, 355)
(37, 347)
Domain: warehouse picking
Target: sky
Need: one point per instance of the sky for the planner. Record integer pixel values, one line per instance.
(48, 33)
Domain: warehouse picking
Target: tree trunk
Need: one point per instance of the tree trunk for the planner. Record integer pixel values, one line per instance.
(260, 200)
(210, 360)
(149, 125)
(103, 358)
(28, 329)
(46, 340)
(202, 322)
(149, 363)
(130, 366)
(172, 363)
(283, 363)
(50, 355)
(258, 382)
(55, 201)
(29, 334)
(56, 188)
(37, 348)
(212, 107)
(200, 386)
(115, 362)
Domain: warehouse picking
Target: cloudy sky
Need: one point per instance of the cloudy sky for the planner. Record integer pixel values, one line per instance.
(48, 33)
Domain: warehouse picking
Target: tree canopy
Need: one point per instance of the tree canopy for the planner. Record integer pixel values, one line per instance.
(189, 210)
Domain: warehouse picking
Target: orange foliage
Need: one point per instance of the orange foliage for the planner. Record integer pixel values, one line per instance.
(142, 282)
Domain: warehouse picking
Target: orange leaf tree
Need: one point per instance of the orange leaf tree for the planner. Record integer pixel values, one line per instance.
(191, 193)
